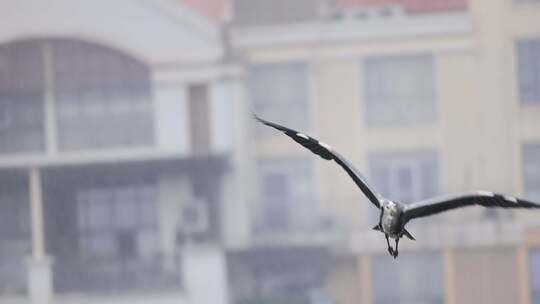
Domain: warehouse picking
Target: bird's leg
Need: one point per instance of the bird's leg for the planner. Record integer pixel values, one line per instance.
(396, 251)
(390, 249)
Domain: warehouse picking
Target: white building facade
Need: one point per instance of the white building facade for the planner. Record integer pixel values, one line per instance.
(116, 153)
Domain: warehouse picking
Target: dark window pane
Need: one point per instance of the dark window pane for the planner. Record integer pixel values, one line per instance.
(21, 97)
(99, 216)
(111, 218)
(126, 244)
(528, 57)
(531, 170)
(14, 234)
(126, 214)
(148, 207)
(534, 268)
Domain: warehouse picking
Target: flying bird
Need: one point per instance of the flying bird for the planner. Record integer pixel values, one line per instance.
(395, 215)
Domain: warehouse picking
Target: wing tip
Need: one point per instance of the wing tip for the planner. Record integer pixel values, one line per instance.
(256, 117)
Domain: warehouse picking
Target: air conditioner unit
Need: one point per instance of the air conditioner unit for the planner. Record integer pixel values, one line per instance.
(194, 218)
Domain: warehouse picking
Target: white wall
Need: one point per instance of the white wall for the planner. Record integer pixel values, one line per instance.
(231, 134)
(222, 100)
(205, 274)
(156, 32)
(171, 121)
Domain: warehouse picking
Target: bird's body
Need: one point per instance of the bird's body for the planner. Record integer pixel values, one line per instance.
(395, 215)
(391, 219)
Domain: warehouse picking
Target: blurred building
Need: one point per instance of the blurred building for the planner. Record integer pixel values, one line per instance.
(426, 98)
(116, 154)
(131, 171)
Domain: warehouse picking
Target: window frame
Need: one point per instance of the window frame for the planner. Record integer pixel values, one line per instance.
(535, 145)
(534, 251)
(305, 105)
(429, 120)
(85, 100)
(87, 232)
(402, 267)
(518, 44)
(306, 200)
(413, 160)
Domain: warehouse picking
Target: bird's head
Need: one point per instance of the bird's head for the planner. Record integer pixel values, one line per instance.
(391, 208)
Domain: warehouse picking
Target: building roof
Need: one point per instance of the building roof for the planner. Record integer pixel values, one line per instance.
(285, 11)
(266, 12)
(412, 6)
(270, 12)
(216, 10)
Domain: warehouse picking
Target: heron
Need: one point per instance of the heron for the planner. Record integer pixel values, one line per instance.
(394, 215)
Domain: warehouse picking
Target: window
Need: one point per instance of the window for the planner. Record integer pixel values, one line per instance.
(531, 170)
(280, 93)
(528, 53)
(14, 235)
(407, 177)
(526, 1)
(21, 98)
(118, 221)
(534, 267)
(417, 278)
(102, 96)
(399, 90)
(105, 233)
(286, 194)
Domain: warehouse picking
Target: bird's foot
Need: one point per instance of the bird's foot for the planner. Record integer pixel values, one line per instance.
(391, 251)
(395, 254)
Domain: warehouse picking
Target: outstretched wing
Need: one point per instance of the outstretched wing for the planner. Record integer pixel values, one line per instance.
(326, 152)
(481, 198)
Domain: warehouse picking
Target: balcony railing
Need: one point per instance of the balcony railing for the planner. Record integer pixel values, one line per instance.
(13, 276)
(116, 275)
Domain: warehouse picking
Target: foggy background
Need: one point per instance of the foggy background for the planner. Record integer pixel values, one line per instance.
(132, 170)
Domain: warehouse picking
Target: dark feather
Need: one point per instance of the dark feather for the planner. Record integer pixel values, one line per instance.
(324, 152)
(481, 198)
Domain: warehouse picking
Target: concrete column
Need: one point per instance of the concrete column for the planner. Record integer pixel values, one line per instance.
(51, 128)
(231, 118)
(449, 271)
(364, 269)
(221, 113)
(171, 121)
(174, 189)
(205, 275)
(39, 265)
(36, 209)
(524, 291)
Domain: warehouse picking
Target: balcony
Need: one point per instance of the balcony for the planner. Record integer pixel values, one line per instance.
(117, 275)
